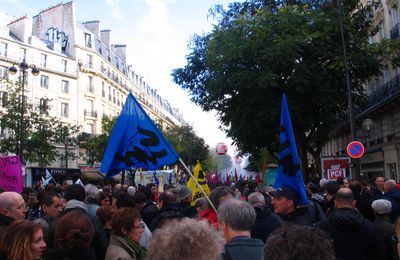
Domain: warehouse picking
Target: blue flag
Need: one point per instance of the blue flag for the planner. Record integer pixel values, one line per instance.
(170, 179)
(182, 180)
(155, 179)
(136, 142)
(289, 172)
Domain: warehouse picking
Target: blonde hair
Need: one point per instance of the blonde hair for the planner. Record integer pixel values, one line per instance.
(17, 239)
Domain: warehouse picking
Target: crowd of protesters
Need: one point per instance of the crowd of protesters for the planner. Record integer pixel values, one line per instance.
(342, 220)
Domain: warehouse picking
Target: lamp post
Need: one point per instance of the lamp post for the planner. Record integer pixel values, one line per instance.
(355, 162)
(23, 66)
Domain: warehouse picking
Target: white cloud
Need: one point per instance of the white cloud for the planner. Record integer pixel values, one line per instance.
(115, 9)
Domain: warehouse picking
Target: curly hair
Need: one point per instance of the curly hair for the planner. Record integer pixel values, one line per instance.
(74, 230)
(17, 239)
(185, 239)
(300, 243)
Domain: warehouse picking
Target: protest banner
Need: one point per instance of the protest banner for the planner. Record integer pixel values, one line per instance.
(10, 173)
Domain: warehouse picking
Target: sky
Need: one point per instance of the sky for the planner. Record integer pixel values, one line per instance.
(157, 33)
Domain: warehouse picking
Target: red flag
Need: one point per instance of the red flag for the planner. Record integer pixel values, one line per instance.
(228, 180)
(258, 179)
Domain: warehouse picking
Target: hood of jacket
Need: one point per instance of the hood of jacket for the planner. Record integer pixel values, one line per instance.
(395, 194)
(263, 211)
(346, 219)
(73, 204)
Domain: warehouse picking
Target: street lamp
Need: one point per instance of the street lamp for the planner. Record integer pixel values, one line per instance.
(23, 66)
(355, 162)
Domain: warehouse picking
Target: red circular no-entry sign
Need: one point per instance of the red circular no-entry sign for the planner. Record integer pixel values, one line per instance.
(355, 149)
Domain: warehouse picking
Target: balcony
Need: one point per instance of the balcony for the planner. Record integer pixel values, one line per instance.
(90, 113)
(395, 32)
(381, 95)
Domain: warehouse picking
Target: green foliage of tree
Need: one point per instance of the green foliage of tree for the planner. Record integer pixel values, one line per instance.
(68, 137)
(188, 145)
(96, 145)
(259, 49)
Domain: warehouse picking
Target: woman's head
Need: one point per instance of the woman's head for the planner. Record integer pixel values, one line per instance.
(126, 222)
(74, 230)
(24, 240)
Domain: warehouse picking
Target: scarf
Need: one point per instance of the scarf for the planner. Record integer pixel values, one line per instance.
(139, 250)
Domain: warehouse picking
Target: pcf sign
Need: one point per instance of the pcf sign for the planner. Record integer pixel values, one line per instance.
(355, 149)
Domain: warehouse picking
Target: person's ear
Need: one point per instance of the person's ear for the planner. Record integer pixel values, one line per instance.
(124, 232)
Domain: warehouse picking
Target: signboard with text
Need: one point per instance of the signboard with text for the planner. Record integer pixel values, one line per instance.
(10, 173)
(335, 167)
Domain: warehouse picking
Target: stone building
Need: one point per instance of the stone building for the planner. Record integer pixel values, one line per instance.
(83, 74)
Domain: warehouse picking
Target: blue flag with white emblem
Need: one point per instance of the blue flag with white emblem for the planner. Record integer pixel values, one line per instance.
(136, 142)
(289, 171)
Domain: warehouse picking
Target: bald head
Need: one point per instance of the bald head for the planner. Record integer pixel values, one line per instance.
(12, 205)
(344, 198)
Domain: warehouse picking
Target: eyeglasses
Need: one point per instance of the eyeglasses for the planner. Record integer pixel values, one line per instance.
(141, 225)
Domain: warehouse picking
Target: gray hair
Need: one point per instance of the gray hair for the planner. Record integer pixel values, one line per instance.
(202, 203)
(92, 192)
(237, 214)
(256, 199)
(390, 183)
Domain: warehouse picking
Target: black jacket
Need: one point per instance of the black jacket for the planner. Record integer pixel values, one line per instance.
(353, 236)
(5, 222)
(266, 222)
(149, 212)
(301, 216)
(70, 254)
(385, 229)
(394, 197)
(168, 212)
(240, 248)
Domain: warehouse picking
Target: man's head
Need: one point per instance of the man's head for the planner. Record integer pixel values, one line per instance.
(12, 205)
(51, 204)
(256, 199)
(389, 185)
(380, 182)
(92, 193)
(166, 198)
(236, 218)
(382, 207)
(344, 198)
(75, 192)
(285, 200)
(183, 194)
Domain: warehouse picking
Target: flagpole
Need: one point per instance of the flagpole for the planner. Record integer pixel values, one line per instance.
(198, 184)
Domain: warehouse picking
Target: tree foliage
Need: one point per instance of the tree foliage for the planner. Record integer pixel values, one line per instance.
(259, 49)
(39, 128)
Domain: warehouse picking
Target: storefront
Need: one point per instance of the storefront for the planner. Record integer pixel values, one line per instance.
(59, 174)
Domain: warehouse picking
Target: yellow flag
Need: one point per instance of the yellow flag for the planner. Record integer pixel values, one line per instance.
(141, 177)
(199, 175)
(160, 184)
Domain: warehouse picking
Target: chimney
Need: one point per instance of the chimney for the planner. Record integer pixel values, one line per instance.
(94, 27)
(120, 50)
(105, 36)
(21, 28)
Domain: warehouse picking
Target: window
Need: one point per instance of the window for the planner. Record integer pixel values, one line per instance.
(44, 106)
(64, 86)
(99, 44)
(3, 72)
(3, 49)
(386, 74)
(2, 131)
(64, 65)
(108, 55)
(109, 93)
(382, 32)
(3, 98)
(89, 128)
(394, 16)
(44, 81)
(114, 96)
(22, 54)
(43, 60)
(88, 40)
(89, 61)
(103, 89)
(64, 109)
(90, 85)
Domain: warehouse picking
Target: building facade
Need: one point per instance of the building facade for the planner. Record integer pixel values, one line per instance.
(82, 73)
(378, 122)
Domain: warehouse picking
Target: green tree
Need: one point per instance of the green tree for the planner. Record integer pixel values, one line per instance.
(96, 145)
(67, 137)
(187, 144)
(259, 49)
(39, 127)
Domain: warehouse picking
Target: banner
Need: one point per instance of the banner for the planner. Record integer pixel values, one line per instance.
(135, 141)
(289, 172)
(199, 176)
(335, 167)
(10, 173)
